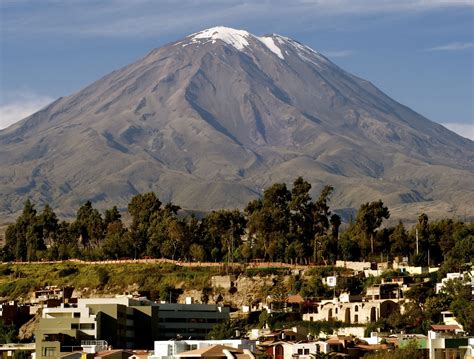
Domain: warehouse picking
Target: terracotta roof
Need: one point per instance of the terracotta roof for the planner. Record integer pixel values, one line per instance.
(106, 353)
(372, 346)
(295, 299)
(210, 351)
(445, 327)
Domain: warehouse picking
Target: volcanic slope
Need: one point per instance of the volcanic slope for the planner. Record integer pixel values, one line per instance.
(209, 121)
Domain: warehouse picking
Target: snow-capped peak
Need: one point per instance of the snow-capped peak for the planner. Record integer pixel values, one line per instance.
(234, 37)
(240, 40)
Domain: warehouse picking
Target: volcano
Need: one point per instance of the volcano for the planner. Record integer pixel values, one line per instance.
(208, 121)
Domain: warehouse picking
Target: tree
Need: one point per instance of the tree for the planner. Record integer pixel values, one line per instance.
(301, 207)
(349, 248)
(25, 237)
(268, 221)
(369, 219)
(399, 241)
(141, 208)
(111, 215)
(321, 214)
(89, 226)
(226, 227)
(49, 222)
(410, 351)
(117, 243)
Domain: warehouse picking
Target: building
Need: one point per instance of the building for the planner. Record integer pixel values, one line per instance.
(189, 321)
(171, 349)
(467, 276)
(121, 322)
(443, 343)
(10, 350)
(13, 314)
(355, 312)
(217, 352)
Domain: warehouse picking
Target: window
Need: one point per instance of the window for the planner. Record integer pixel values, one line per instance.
(74, 326)
(77, 315)
(300, 351)
(87, 326)
(49, 351)
(306, 352)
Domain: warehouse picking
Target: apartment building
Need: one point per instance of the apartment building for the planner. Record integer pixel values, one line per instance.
(121, 322)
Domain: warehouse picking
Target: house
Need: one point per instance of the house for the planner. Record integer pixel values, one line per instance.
(217, 351)
(443, 343)
(170, 349)
(294, 350)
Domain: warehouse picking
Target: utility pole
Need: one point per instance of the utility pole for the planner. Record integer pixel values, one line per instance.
(416, 233)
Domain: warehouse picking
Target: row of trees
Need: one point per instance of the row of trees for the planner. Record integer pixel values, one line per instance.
(284, 225)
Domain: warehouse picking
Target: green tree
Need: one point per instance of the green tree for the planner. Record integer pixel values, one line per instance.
(225, 228)
(301, 212)
(409, 351)
(111, 215)
(321, 218)
(369, 219)
(117, 243)
(268, 221)
(142, 208)
(399, 241)
(89, 226)
(25, 237)
(50, 223)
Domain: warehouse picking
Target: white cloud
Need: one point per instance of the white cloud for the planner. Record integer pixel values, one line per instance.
(453, 46)
(122, 18)
(21, 105)
(463, 129)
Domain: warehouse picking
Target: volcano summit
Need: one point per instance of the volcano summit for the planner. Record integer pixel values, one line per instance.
(210, 120)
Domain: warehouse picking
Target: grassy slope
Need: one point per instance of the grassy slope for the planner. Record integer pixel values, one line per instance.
(18, 280)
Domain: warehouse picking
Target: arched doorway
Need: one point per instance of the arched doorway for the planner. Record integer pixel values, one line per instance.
(347, 315)
(388, 307)
(373, 314)
(279, 352)
(330, 314)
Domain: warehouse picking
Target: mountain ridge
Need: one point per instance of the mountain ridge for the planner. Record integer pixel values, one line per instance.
(208, 122)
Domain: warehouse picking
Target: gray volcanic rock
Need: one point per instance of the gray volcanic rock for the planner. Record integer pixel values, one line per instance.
(209, 121)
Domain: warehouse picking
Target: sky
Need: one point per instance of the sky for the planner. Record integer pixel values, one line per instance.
(419, 52)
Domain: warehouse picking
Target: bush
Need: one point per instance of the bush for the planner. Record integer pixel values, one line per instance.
(103, 276)
(65, 272)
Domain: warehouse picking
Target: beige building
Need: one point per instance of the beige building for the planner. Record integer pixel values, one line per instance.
(355, 312)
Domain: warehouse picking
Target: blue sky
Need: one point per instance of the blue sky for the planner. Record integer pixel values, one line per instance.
(420, 52)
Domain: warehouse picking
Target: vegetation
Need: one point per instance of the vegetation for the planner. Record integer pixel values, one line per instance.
(410, 351)
(151, 278)
(284, 225)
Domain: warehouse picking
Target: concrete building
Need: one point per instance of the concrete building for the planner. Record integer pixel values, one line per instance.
(121, 322)
(189, 321)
